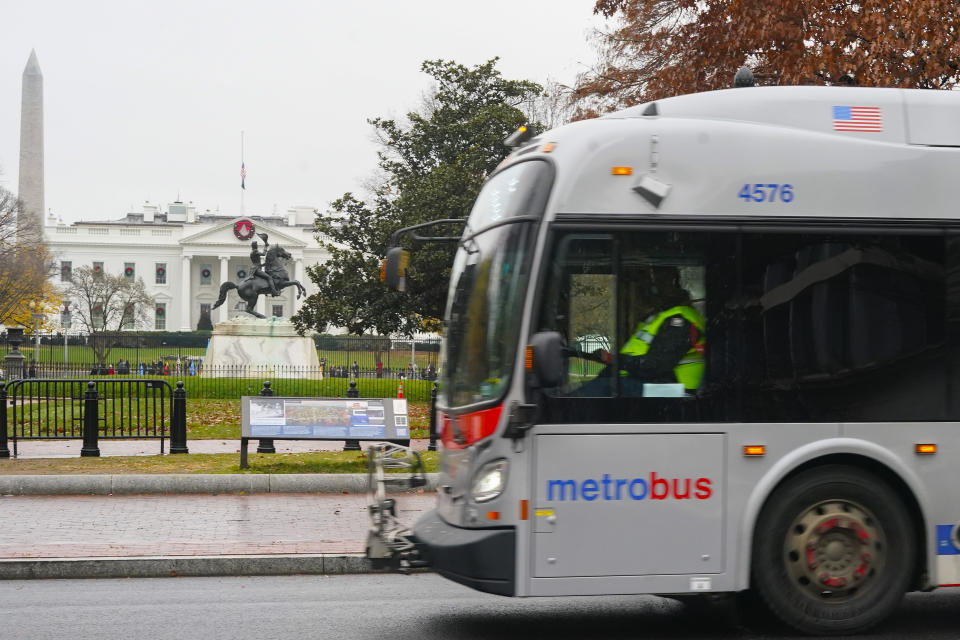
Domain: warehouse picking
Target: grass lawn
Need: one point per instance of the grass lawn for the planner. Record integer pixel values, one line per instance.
(220, 420)
(206, 419)
(316, 462)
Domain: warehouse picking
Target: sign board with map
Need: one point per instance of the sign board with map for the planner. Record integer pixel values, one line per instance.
(324, 418)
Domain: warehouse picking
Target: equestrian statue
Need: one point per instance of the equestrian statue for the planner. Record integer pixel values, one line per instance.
(269, 277)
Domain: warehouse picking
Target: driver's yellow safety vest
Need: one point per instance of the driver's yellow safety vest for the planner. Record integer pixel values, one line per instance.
(689, 370)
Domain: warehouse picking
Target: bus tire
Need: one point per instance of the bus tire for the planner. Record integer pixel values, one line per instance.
(833, 551)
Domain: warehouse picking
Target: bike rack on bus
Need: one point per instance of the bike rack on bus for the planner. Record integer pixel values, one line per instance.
(390, 543)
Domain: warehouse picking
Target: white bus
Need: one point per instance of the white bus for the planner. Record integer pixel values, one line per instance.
(799, 440)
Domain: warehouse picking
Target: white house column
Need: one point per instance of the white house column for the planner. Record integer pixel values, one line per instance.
(298, 274)
(185, 297)
(224, 314)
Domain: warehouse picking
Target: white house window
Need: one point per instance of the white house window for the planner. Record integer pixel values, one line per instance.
(161, 272)
(66, 270)
(97, 268)
(278, 310)
(160, 316)
(129, 271)
(126, 322)
(206, 271)
(65, 319)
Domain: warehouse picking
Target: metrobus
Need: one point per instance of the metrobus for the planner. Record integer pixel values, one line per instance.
(812, 458)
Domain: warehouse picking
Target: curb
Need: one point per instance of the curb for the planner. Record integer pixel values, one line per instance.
(185, 566)
(136, 484)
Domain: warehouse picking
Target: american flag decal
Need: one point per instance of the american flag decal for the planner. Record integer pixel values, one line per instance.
(857, 119)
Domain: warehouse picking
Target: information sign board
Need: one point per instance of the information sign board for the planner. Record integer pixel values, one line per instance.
(324, 418)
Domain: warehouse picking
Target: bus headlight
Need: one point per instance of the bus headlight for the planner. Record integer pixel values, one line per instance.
(489, 481)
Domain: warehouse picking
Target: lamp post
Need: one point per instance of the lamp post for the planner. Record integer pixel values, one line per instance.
(36, 315)
(66, 330)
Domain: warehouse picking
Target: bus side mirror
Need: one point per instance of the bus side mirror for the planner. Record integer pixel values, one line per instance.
(544, 358)
(393, 269)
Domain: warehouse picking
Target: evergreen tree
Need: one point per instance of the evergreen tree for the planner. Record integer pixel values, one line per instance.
(431, 167)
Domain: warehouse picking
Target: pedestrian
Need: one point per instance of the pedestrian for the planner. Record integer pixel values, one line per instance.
(356, 369)
(379, 368)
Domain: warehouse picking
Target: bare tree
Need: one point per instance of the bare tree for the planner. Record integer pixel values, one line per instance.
(551, 108)
(25, 261)
(103, 304)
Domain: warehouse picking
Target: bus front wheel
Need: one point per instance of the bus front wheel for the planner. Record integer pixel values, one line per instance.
(833, 551)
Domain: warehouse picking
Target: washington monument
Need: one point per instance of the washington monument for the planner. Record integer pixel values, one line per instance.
(31, 141)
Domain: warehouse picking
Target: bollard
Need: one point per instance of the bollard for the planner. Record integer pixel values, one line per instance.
(266, 445)
(433, 418)
(91, 421)
(352, 392)
(406, 441)
(178, 420)
(4, 450)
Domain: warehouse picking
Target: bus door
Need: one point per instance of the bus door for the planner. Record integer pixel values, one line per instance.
(628, 479)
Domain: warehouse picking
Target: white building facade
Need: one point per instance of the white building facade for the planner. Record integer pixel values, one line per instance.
(183, 256)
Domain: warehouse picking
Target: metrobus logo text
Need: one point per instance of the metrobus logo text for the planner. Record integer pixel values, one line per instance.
(653, 488)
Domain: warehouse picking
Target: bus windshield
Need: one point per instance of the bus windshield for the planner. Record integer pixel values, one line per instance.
(487, 284)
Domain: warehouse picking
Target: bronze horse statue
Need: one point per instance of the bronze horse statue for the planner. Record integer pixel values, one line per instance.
(250, 288)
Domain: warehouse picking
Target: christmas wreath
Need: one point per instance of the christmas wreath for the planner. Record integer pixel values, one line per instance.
(128, 272)
(243, 229)
(242, 274)
(205, 273)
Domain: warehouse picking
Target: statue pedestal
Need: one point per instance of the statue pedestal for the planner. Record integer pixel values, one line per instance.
(247, 347)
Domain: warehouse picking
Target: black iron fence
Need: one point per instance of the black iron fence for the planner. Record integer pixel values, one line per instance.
(244, 380)
(158, 352)
(55, 409)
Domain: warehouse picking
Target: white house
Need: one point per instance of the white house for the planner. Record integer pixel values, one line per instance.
(183, 256)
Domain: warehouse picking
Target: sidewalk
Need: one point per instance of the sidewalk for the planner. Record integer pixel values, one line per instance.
(191, 525)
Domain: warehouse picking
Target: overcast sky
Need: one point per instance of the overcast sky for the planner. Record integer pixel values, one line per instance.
(146, 100)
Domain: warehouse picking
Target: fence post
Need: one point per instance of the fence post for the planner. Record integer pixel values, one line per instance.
(91, 421)
(433, 418)
(352, 392)
(13, 362)
(178, 420)
(266, 445)
(4, 450)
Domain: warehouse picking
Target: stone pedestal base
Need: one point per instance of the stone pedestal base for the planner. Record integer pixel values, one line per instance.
(249, 347)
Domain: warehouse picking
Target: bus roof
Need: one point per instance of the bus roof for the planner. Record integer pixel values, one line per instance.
(824, 152)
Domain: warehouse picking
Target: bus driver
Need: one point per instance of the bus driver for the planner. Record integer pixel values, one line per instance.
(667, 345)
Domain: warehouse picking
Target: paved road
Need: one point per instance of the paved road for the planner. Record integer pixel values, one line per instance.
(417, 607)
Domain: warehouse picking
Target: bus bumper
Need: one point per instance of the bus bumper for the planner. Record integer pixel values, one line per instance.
(483, 559)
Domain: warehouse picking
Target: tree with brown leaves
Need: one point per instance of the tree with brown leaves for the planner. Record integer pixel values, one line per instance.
(25, 262)
(660, 48)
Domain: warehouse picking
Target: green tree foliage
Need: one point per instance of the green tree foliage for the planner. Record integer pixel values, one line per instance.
(659, 48)
(431, 167)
